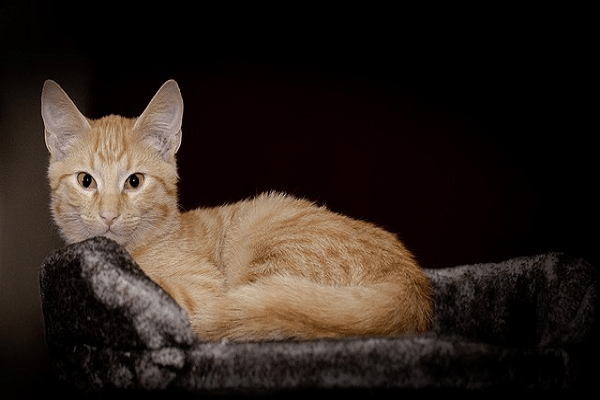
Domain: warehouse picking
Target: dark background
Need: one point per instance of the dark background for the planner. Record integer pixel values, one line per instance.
(467, 132)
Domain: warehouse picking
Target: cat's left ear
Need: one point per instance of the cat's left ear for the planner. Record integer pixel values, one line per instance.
(160, 123)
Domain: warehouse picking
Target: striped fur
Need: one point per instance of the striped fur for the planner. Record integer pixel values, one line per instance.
(270, 267)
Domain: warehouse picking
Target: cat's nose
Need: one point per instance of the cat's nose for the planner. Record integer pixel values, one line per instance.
(108, 216)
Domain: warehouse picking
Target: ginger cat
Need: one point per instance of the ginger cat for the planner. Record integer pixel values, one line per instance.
(271, 267)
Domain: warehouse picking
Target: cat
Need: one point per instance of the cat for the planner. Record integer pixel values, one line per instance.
(265, 268)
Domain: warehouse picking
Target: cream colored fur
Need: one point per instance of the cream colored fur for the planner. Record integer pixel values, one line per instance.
(270, 267)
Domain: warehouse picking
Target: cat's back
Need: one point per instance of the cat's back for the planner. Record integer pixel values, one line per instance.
(245, 217)
(297, 235)
(277, 217)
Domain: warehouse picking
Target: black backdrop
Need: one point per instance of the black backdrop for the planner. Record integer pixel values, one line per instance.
(465, 133)
(470, 142)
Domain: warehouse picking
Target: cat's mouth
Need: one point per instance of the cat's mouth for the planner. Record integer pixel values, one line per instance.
(115, 233)
(109, 234)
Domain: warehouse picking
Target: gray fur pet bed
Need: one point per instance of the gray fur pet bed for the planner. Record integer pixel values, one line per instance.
(523, 323)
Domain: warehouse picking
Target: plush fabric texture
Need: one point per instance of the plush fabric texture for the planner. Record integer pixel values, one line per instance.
(523, 323)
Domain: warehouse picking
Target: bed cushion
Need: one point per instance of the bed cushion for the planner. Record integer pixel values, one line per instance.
(523, 323)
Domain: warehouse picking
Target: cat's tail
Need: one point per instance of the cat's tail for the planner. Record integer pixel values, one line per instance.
(287, 307)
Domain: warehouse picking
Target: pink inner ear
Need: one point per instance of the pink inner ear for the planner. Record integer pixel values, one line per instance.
(62, 120)
(161, 120)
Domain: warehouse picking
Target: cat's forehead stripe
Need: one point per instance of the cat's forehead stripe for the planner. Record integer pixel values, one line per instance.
(112, 137)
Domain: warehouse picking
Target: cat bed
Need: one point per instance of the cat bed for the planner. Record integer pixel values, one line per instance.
(522, 323)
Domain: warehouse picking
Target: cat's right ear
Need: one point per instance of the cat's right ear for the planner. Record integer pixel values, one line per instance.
(62, 120)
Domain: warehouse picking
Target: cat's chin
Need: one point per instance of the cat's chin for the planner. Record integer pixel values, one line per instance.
(111, 235)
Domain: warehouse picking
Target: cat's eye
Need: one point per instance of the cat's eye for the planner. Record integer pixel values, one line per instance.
(134, 181)
(86, 180)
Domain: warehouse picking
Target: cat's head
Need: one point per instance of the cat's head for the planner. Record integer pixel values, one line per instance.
(114, 177)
